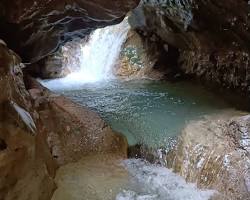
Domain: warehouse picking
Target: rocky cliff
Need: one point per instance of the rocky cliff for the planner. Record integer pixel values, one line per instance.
(209, 37)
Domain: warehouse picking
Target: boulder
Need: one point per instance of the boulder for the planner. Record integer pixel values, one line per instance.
(215, 154)
(74, 131)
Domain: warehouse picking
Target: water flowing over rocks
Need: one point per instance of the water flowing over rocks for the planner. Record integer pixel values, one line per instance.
(210, 37)
(41, 131)
(215, 154)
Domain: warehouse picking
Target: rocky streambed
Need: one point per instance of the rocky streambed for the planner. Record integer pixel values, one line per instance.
(196, 134)
(45, 131)
(54, 148)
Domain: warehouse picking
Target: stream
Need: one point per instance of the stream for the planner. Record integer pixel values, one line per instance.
(151, 113)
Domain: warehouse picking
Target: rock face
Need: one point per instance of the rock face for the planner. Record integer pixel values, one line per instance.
(27, 168)
(65, 61)
(215, 153)
(138, 59)
(210, 37)
(35, 29)
(40, 131)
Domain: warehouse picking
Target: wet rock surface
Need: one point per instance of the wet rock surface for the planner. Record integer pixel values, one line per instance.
(214, 153)
(27, 168)
(65, 61)
(138, 59)
(210, 36)
(74, 131)
(94, 177)
(35, 29)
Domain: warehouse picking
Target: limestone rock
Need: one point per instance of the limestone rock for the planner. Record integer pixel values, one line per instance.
(26, 165)
(39, 131)
(215, 154)
(138, 59)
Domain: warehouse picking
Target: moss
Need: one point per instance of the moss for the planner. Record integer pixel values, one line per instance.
(133, 55)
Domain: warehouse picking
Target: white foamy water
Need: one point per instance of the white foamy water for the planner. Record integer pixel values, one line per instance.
(151, 182)
(97, 58)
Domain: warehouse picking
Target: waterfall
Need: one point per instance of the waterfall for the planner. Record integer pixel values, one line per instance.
(97, 57)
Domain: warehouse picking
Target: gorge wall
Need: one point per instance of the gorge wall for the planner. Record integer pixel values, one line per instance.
(210, 38)
(35, 29)
(40, 131)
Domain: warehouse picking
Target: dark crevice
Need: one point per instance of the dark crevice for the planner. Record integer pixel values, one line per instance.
(3, 145)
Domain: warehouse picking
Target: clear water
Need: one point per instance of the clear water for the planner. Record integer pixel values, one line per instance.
(98, 56)
(146, 112)
(152, 182)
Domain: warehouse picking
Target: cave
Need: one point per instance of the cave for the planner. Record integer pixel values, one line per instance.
(132, 100)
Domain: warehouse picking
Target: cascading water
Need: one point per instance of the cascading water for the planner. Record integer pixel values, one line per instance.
(146, 112)
(97, 58)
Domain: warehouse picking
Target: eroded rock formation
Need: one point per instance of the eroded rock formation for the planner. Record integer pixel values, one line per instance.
(38, 130)
(35, 29)
(63, 62)
(27, 168)
(211, 37)
(142, 58)
(215, 154)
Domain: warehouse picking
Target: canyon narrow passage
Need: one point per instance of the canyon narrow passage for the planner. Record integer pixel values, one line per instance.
(124, 100)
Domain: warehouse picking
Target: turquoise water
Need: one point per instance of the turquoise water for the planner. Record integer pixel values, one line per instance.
(146, 112)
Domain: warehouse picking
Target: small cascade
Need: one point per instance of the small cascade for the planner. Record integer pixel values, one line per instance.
(97, 58)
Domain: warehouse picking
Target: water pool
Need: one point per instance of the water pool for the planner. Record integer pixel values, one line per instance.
(146, 112)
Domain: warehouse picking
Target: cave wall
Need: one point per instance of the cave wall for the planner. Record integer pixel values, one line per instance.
(211, 36)
(36, 29)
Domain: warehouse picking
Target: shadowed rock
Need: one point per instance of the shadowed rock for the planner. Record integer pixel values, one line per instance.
(35, 29)
(211, 36)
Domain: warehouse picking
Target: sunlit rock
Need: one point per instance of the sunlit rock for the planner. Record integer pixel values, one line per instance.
(214, 153)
